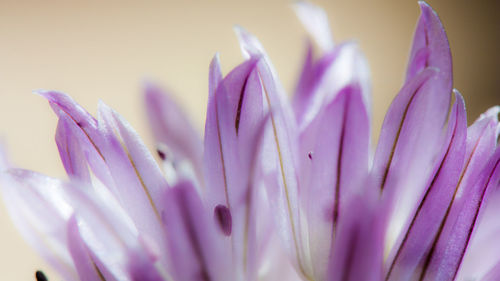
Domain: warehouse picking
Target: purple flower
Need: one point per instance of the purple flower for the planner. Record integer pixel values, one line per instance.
(276, 190)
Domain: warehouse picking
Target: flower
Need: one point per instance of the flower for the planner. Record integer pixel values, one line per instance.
(275, 189)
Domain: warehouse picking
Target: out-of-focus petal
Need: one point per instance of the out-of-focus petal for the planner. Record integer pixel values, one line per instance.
(358, 251)
(415, 243)
(37, 207)
(322, 80)
(110, 235)
(85, 265)
(172, 128)
(316, 23)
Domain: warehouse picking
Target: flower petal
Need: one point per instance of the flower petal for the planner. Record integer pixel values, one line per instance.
(126, 177)
(480, 175)
(430, 48)
(411, 139)
(85, 265)
(36, 205)
(193, 246)
(315, 21)
(172, 128)
(334, 149)
(71, 153)
(416, 242)
(280, 156)
(357, 253)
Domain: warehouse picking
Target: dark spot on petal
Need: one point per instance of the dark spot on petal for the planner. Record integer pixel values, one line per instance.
(161, 154)
(310, 155)
(223, 216)
(240, 104)
(40, 276)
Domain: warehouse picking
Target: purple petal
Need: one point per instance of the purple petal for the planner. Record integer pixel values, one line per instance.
(234, 127)
(125, 166)
(482, 257)
(411, 139)
(280, 156)
(223, 122)
(81, 127)
(140, 158)
(430, 49)
(195, 250)
(417, 240)
(172, 128)
(357, 253)
(70, 151)
(334, 149)
(324, 79)
(479, 175)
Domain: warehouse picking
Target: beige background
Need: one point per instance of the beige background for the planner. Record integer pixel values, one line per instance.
(102, 49)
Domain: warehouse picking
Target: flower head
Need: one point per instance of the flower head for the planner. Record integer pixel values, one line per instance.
(275, 189)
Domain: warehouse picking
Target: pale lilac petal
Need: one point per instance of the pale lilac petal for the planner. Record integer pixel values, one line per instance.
(109, 234)
(125, 180)
(172, 128)
(411, 139)
(195, 251)
(412, 251)
(233, 140)
(37, 207)
(85, 265)
(315, 21)
(337, 157)
(144, 166)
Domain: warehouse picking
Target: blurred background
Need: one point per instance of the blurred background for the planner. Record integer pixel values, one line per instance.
(104, 49)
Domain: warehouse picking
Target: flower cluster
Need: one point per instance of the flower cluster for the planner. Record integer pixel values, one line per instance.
(276, 190)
